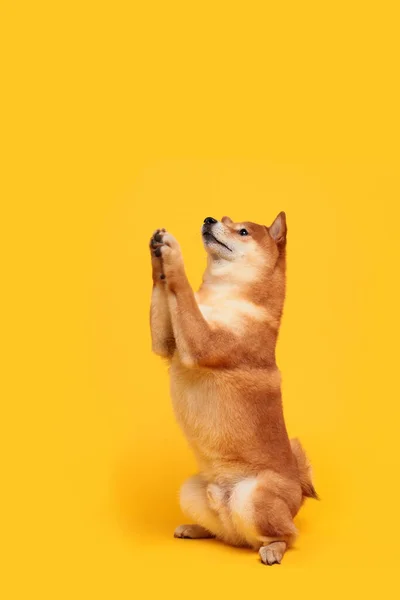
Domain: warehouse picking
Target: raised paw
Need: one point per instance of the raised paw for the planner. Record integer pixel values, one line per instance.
(156, 240)
(155, 251)
(192, 532)
(166, 257)
(163, 240)
(273, 553)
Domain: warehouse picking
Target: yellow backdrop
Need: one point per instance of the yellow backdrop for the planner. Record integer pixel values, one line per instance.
(122, 117)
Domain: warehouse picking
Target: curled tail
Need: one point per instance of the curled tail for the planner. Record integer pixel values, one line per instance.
(305, 471)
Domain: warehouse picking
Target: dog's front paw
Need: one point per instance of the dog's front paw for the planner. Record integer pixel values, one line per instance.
(166, 249)
(155, 251)
(163, 242)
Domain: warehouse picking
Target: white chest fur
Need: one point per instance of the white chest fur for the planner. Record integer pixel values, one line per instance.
(223, 309)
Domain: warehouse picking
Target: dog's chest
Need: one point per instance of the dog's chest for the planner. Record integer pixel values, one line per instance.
(222, 307)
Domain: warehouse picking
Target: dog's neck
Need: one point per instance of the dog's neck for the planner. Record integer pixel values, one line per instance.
(226, 272)
(254, 283)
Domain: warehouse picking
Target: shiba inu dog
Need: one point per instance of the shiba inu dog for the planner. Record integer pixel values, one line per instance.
(226, 387)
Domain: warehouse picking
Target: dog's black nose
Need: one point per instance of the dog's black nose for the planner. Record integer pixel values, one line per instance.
(210, 220)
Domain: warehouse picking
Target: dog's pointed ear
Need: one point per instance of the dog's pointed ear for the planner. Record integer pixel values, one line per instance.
(226, 221)
(278, 229)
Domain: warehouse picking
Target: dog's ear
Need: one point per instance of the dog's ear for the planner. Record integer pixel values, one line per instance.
(278, 229)
(226, 221)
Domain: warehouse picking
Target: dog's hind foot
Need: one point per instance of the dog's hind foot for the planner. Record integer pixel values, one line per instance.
(192, 532)
(273, 553)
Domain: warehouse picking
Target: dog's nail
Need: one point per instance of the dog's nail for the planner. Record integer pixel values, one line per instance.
(158, 237)
(157, 252)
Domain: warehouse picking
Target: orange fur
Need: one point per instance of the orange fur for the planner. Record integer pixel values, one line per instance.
(225, 385)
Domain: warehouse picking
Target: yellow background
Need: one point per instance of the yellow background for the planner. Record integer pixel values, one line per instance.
(120, 117)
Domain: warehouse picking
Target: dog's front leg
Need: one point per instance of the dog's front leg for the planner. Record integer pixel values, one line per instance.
(196, 342)
(162, 335)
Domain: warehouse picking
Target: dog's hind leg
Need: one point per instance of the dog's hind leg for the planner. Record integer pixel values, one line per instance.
(263, 508)
(194, 503)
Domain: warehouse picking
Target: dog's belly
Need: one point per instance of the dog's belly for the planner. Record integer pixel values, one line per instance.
(218, 417)
(200, 409)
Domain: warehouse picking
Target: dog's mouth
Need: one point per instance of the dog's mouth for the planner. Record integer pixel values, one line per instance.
(209, 236)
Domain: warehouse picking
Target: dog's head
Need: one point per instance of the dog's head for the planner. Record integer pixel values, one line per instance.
(246, 243)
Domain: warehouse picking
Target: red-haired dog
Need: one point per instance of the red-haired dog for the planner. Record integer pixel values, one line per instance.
(226, 387)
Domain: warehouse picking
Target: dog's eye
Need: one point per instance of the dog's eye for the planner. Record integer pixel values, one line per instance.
(243, 232)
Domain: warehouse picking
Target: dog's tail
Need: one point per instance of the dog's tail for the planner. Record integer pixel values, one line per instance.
(305, 471)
